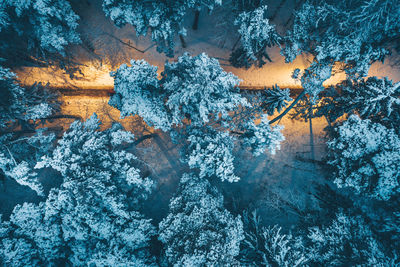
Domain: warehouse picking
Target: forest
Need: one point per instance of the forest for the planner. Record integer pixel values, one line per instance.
(200, 133)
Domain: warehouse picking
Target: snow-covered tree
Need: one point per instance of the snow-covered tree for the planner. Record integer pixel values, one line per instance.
(199, 89)
(256, 34)
(11, 107)
(313, 77)
(199, 231)
(340, 31)
(268, 246)
(275, 98)
(366, 157)
(18, 157)
(93, 218)
(346, 241)
(374, 98)
(339, 36)
(85, 151)
(31, 237)
(193, 88)
(212, 153)
(196, 97)
(262, 136)
(21, 110)
(138, 91)
(163, 18)
(19, 104)
(36, 28)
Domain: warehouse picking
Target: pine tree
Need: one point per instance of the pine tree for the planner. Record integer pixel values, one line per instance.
(276, 98)
(199, 231)
(256, 34)
(347, 241)
(212, 153)
(94, 217)
(366, 157)
(337, 32)
(37, 31)
(374, 98)
(268, 246)
(262, 136)
(199, 87)
(22, 111)
(340, 36)
(194, 88)
(163, 18)
(138, 91)
(195, 100)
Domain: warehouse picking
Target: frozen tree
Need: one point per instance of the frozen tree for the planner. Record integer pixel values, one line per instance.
(138, 91)
(18, 104)
(37, 28)
(194, 88)
(276, 98)
(336, 31)
(18, 157)
(31, 237)
(163, 18)
(199, 231)
(374, 98)
(313, 77)
(212, 153)
(312, 80)
(12, 98)
(268, 246)
(346, 241)
(256, 35)
(64, 229)
(262, 136)
(84, 151)
(93, 218)
(199, 89)
(366, 157)
(21, 111)
(195, 100)
(339, 36)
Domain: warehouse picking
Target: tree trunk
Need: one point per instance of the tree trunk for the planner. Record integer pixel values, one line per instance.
(182, 41)
(196, 20)
(311, 138)
(237, 41)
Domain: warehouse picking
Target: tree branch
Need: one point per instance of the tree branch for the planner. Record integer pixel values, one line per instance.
(280, 116)
(125, 43)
